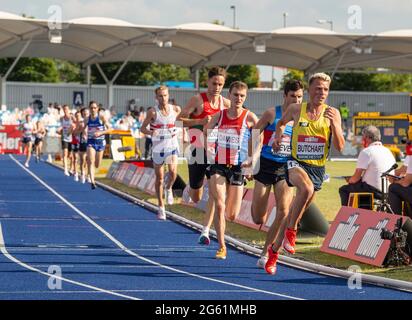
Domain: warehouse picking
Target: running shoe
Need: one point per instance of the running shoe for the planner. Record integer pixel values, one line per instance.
(37, 159)
(76, 177)
(289, 241)
(93, 185)
(169, 196)
(161, 215)
(89, 180)
(26, 164)
(66, 173)
(262, 262)
(270, 265)
(221, 253)
(204, 238)
(83, 180)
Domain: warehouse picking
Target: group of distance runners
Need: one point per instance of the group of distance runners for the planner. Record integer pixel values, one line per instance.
(82, 139)
(291, 152)
(287, 147)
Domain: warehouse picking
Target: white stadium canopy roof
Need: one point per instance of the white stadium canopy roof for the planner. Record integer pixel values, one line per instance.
(96, 40)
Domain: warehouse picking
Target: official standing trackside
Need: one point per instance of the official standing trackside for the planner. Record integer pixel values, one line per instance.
(315, 124)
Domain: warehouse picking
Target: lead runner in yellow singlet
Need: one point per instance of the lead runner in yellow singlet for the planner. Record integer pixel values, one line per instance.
(315, 126)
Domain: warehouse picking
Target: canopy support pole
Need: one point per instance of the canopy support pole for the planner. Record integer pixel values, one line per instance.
(3, 79)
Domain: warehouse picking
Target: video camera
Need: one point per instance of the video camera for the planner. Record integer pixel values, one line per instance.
(398, 253)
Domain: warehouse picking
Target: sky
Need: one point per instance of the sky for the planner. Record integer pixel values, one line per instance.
(348, 16)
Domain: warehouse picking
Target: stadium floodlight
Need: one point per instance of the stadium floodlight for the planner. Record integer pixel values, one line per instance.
(259, 46)
(357, 50)
(323, 21)
(367, 50)
(55, 36)
(167, 44)
(158, 42)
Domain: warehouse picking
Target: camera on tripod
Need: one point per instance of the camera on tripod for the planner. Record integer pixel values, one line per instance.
(398, 253)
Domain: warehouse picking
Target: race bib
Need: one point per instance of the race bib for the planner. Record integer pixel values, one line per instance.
(292, 164)
(310, 148)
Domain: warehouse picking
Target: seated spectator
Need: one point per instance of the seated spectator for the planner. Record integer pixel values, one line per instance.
(401, 190)
(373, 160)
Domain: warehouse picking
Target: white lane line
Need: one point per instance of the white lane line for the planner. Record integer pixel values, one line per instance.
(125, 249)
(126, 291)
(4, 251)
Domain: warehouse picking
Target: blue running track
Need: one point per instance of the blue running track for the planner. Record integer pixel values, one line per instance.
(109, 248)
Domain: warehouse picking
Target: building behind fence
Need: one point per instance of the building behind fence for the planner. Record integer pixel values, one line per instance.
(22, 94)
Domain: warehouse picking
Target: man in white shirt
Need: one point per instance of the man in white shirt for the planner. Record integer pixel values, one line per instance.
(373, 160)
(401, 190)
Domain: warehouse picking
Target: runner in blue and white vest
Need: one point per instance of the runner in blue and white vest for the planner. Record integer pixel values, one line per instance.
(97, 127)
(272, 168)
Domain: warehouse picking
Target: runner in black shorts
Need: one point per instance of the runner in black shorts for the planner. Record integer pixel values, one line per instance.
(233, 127)
(271, 168)
(75, 145)
(66, 133)
(38, 141)
(315, 123)
(83, 145)
(196, 115)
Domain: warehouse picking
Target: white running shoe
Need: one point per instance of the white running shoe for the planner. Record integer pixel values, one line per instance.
(262, 262)
(204, 238)
(83, 179)
(169, 196)
(89, 180)
(26, 164)
(76, 177)
(161, 215)
(66, 173)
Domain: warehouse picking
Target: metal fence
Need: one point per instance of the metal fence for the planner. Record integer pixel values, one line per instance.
(21, 94)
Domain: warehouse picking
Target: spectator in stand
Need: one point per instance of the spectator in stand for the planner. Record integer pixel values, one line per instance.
(373, 160)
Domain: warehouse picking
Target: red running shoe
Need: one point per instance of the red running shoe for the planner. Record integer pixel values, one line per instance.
(289, 241)
(270, 265)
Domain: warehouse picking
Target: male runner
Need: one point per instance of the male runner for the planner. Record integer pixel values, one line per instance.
(196, 116)
(96, 127)
(76, 133)
(28, 129)
(314, 124)
(272, 167)
(66, 133)
(226, 181)
(38, 141)
(85, 113)
(165, 149)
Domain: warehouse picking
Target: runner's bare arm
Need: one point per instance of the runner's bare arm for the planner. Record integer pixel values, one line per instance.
(149, 117)
(178, 111)
(335, 122)
(211, 124)
(226, 103)
(106, 125)
(292, 114)
(191, 107)
(253, 144)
